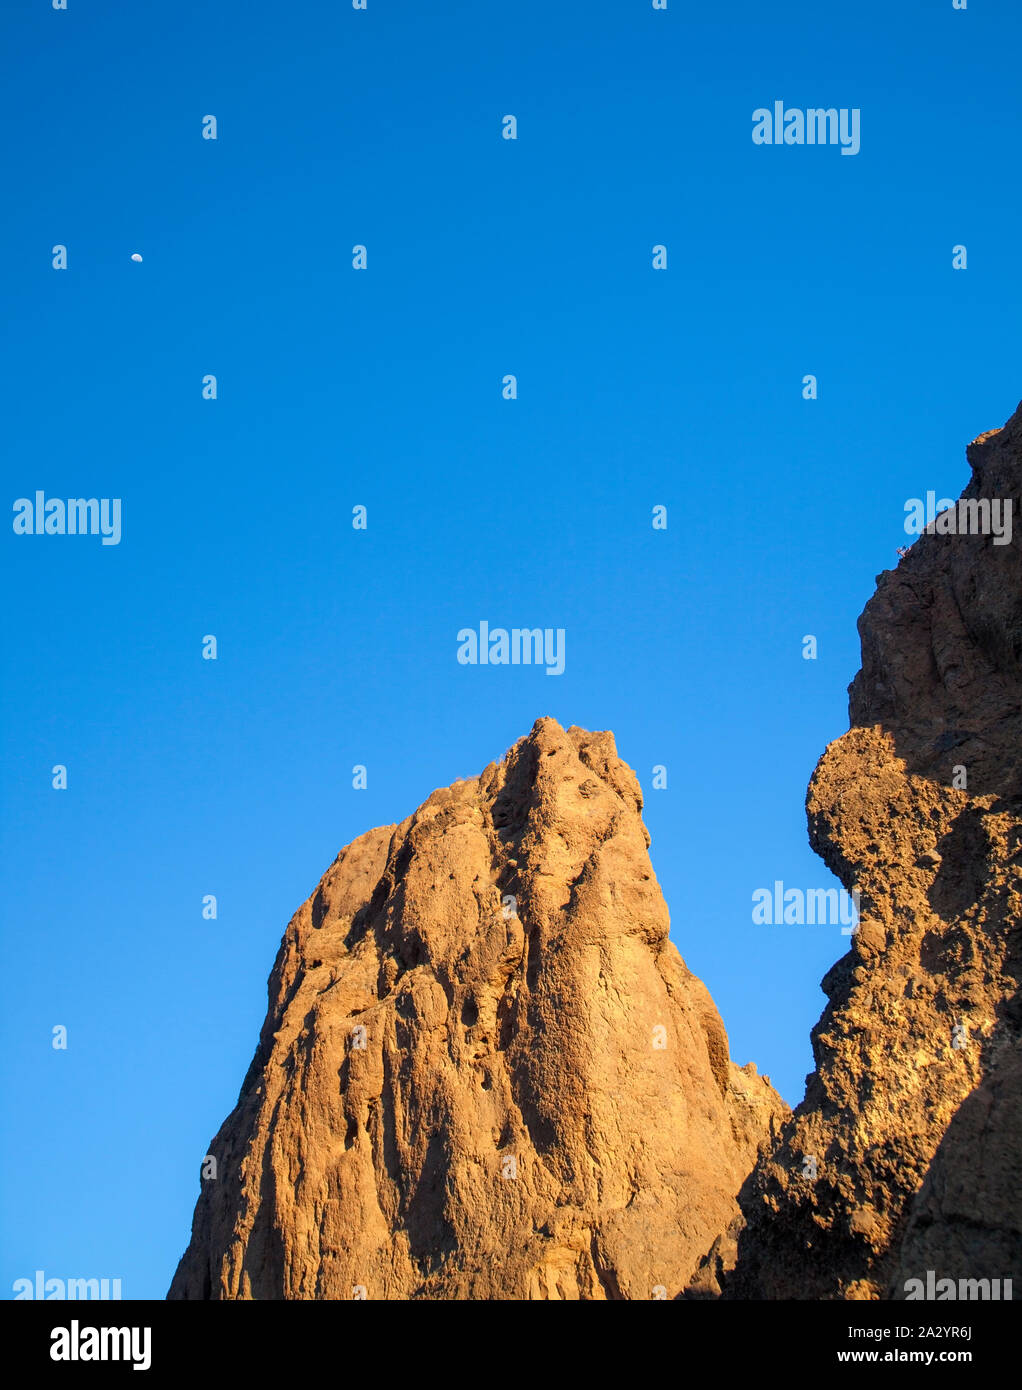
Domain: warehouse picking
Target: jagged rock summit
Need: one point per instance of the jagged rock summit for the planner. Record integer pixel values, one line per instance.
(485, 1071)
(913, 1115)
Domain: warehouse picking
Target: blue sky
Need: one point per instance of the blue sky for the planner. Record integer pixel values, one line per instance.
(382, 388)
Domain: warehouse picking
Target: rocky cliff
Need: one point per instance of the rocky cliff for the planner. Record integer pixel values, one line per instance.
(913, 1116)
(485, 1071)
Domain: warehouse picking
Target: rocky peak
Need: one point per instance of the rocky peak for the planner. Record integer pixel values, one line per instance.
(485, 1070)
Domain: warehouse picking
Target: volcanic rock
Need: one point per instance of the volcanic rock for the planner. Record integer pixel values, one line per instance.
(485, 1071)
(913, 1116)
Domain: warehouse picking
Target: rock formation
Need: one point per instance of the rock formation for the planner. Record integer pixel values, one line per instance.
(914, 1113)
(485, 1071)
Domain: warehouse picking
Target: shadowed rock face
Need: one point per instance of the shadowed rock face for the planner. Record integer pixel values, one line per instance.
(485, 1071)
(917, 1140)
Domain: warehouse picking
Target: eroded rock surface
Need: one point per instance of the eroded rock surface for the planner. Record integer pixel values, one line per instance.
(914, 1112)
(485, 1071)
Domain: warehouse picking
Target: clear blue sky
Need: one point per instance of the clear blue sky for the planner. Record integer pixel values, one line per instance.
(383, 388)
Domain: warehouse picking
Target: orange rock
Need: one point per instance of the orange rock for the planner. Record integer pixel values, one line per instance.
(915, 1108)
(485, 1072)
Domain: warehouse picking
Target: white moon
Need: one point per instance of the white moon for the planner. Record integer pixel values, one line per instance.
(135, 256)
